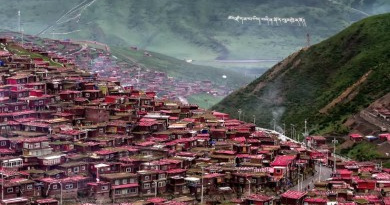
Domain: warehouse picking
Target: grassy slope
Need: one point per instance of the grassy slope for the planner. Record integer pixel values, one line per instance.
(181, 69)
(199, 28)
(316, 76)
(204, 100)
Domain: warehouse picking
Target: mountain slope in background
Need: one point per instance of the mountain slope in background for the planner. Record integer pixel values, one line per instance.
(198, 30)
(325, 84)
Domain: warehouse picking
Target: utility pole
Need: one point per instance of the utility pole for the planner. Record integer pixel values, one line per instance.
(284, 128)
(254, 119)
(334, 141)
(305, 128)
(308, 39)
(319, 174)
(292, 131)
(239, 114)
(2, 184)
(274, 124)
(60, 193)
(299, 188)
(19, 28)
(201, 196)
(249, 192)
(22, 37)
(155, 188)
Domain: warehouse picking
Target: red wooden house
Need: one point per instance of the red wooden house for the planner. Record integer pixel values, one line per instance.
(283, 165)
(356, 137)
(364, 185)
(18, 187)
(259, 199)
(99, 190)
(122, 184)
(292, 197)
(149, 179)
(315, 201)
(316, 141)
(69, 95)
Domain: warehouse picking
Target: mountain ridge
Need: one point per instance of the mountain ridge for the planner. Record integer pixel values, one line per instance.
(312, 78)
(200, 28)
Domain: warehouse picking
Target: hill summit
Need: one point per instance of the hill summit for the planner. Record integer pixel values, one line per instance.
(324, 84)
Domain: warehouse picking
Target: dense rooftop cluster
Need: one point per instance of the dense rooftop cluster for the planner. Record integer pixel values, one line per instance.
(72, 136)
(100, 61)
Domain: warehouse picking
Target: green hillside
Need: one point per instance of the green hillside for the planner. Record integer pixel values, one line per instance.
(325, 83)
(196, 29)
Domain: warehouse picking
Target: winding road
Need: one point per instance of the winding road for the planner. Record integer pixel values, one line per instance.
(310, 180)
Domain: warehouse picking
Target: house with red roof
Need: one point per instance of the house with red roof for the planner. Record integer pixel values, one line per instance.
(70, 186)
(292, 197)
(149, 179)
(259, 199)
(315, 201)
(16, 187)
(356, 137)
(46, 201)
(99, 190)
(69, 95)
(123, 184)
(282, 165)
(315, 141)
(364, 185)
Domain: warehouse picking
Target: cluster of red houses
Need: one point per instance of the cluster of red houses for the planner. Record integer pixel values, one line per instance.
(71, 136)
(103, 63)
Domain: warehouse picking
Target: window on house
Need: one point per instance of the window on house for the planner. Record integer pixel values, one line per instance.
(147, 178)
(36, 145)
(101, 130)
(54, 186)
(133, 190)
(161, 184)
(10, 190)
(16, 108)
(104, 187)
(132, 180)
(254, 180)
(117, 191)
(3, 143)
(241, 180)
(117, 182)
(128, 169)
(161, 176)
(29, 187)
(70, 170)
(146, 185)
(124, 181)
(69, 186)
(76, 169)
(83, 168)
(87, 95)
(41, 102)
